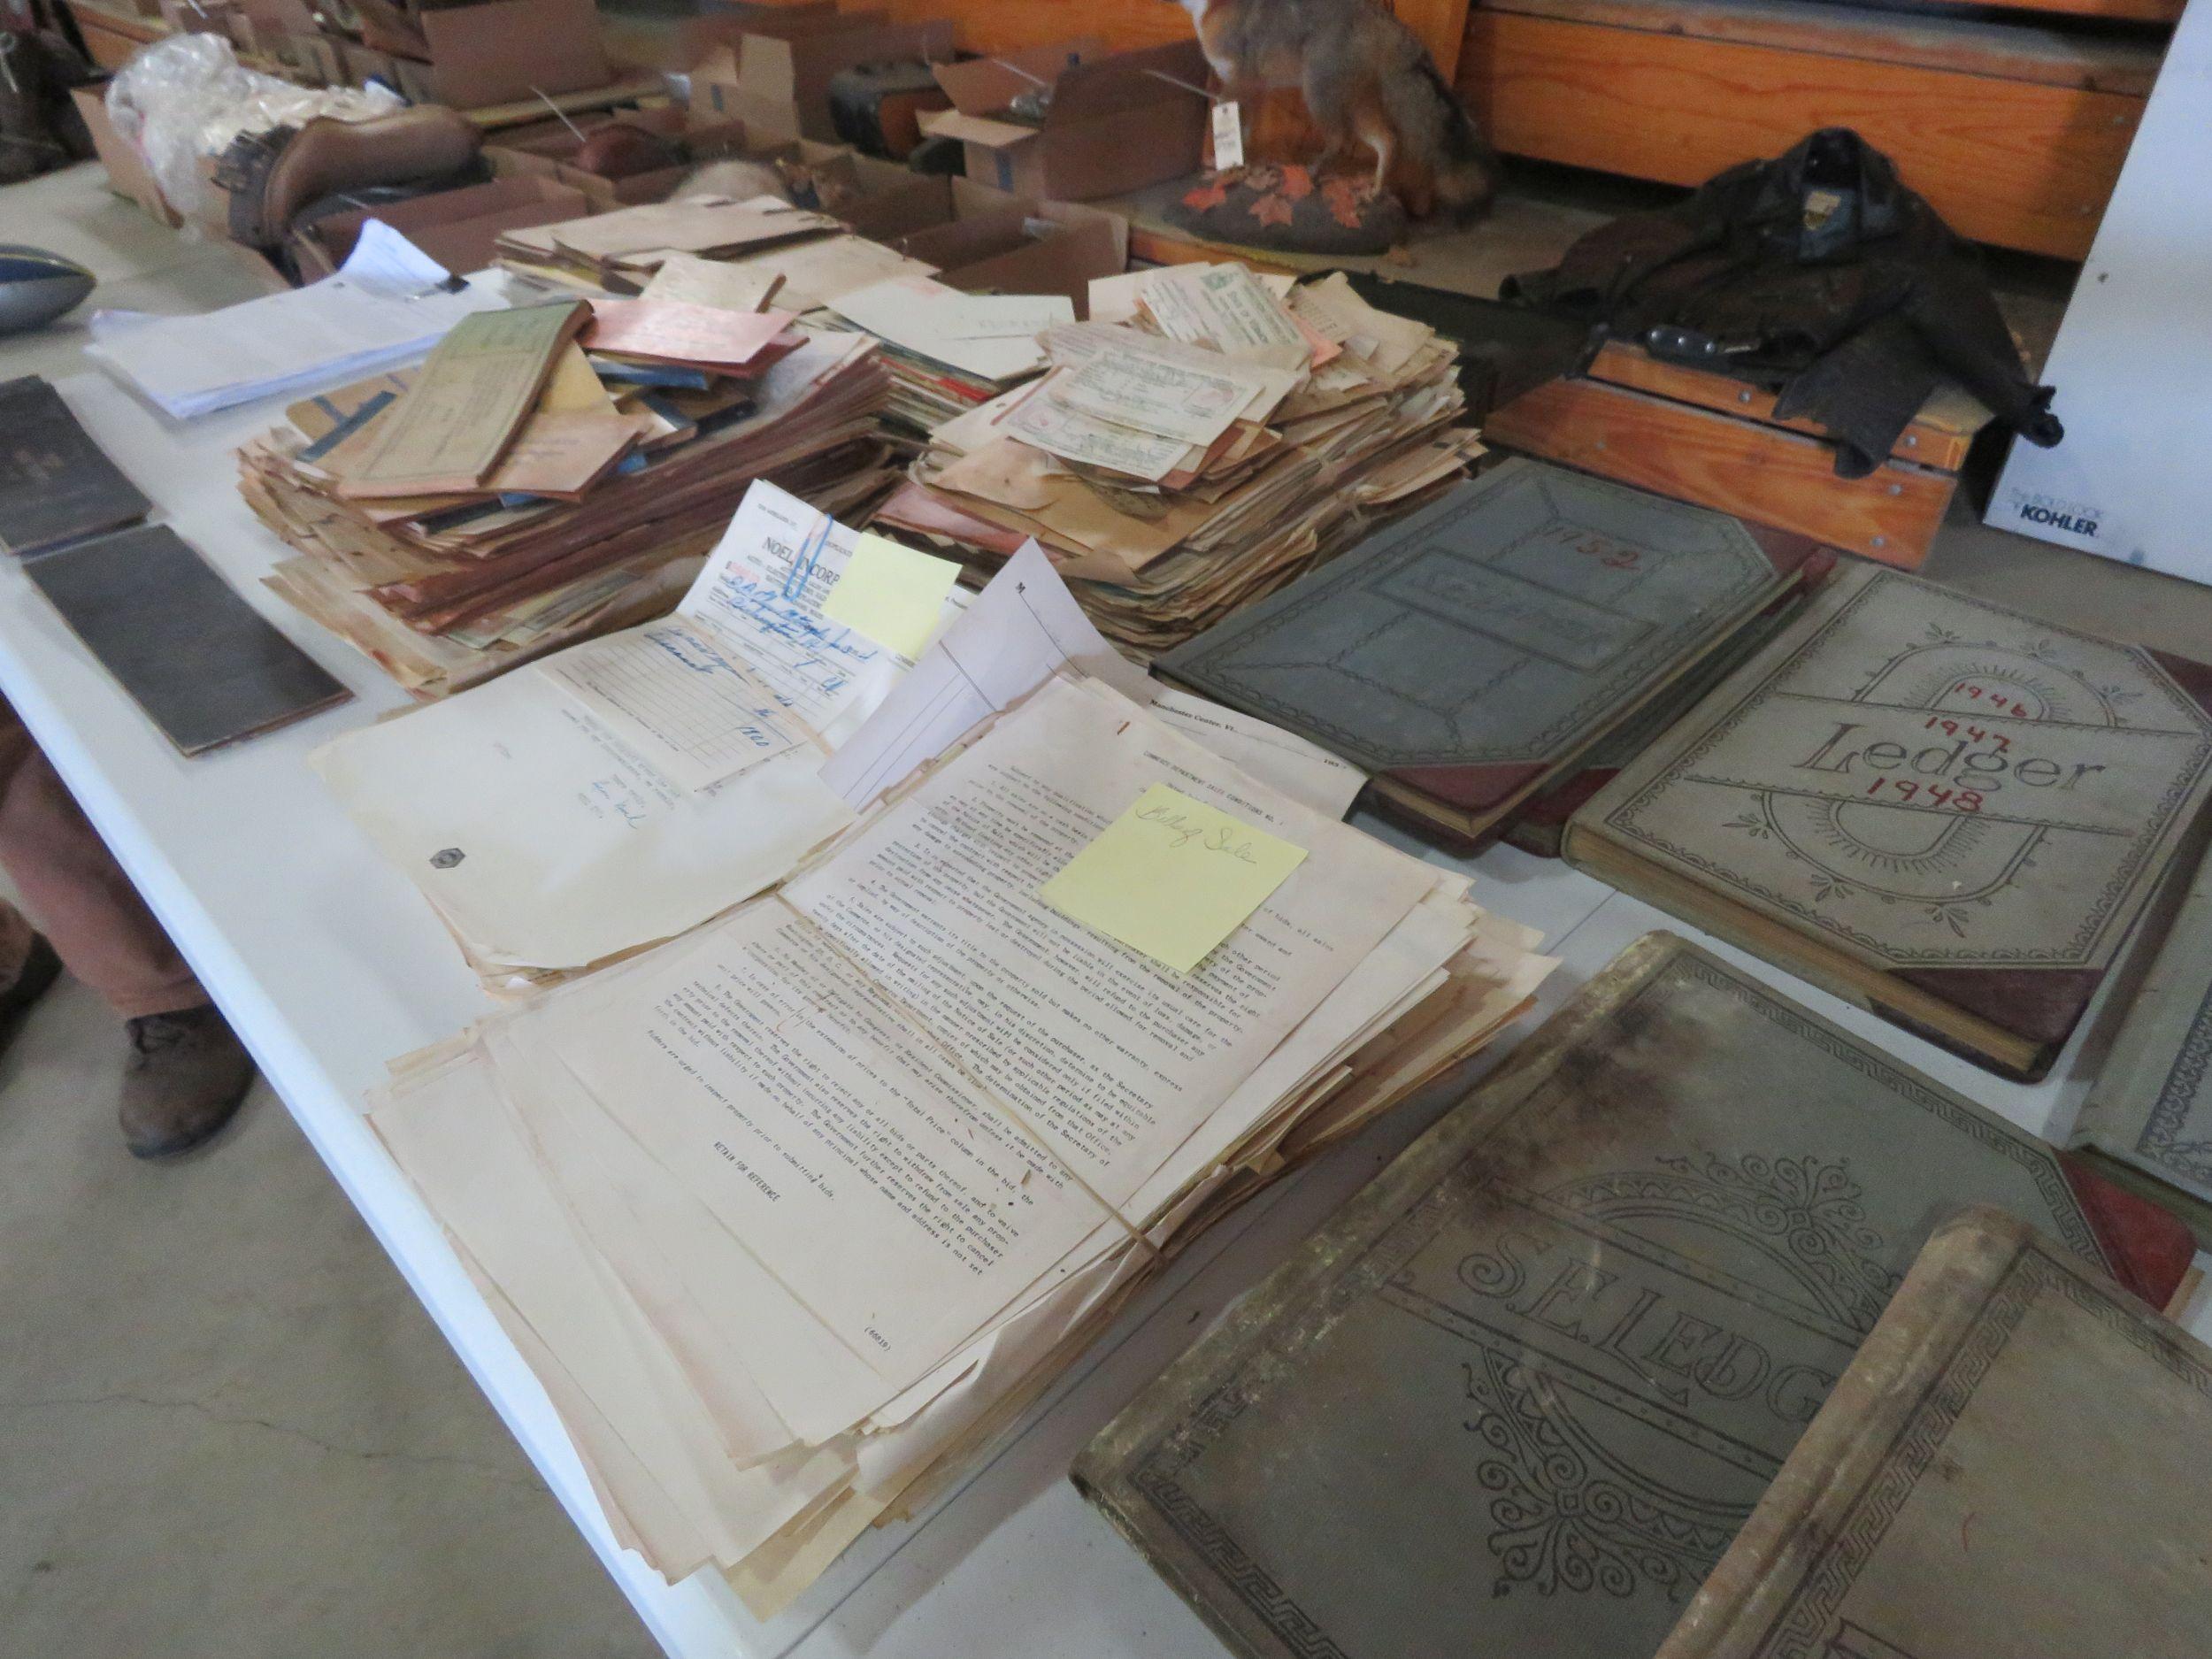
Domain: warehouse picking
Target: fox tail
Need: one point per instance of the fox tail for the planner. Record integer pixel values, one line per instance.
(1437, 128)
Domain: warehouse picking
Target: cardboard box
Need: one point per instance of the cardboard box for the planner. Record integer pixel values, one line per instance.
(877, 198)
(126, 173)
(457, 229)
(506, 50)
(770, 67)
(1113, 124)
(547, 150)
(314, 59)
(993, 239)
(198, 17)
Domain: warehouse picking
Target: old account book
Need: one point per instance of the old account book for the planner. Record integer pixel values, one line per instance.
(1946, 811)
(2014, 1465)
(1518, 1395)
(2148, 1121)
(1469, 655)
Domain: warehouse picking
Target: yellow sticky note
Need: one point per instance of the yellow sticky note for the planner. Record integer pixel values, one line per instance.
(891, 594)
(1171, 877)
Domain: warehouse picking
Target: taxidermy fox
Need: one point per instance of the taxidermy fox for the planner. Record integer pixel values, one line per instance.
(1365, 77)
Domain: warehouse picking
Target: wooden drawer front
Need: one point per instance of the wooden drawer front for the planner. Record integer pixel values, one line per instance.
(2012, 162)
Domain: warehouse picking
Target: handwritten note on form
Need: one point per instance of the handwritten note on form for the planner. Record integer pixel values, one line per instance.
(1171, 877)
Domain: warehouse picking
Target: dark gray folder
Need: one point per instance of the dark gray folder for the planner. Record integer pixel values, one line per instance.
(56, 484)
(203, 664)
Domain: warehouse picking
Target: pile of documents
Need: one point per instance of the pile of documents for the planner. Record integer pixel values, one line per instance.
(793, 1214)
(613, 794)
(1213, 437)
(619, 252)
(948, 351)
(551, 472)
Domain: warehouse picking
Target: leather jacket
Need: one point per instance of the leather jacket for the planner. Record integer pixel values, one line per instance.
(1816, 275)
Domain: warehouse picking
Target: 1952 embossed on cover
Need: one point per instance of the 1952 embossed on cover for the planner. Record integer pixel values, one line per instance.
(1468, 651)
(1518, 1395)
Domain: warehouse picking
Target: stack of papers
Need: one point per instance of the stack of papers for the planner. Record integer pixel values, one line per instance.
(614, 794)
(619, 791)
(792, 1215)
(802, 277)
(948, 351)
(389, 304)
(642, 434)
(1226, 433)
(619, 252)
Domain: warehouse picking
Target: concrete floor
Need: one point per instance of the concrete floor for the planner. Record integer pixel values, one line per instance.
(225, 1426)
(228, 1431)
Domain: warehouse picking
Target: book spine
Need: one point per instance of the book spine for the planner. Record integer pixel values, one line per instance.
(1781, 1545)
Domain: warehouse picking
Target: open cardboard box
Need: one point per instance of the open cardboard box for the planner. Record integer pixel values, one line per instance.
(503, 51)
(992, 239)
(457, 229)
(127, 174)
(770, 67)
(877, 198)
(1117, 122)
(547, 149)
(310, 57)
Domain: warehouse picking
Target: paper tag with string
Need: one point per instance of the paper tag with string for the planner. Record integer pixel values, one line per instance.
(1228, 136)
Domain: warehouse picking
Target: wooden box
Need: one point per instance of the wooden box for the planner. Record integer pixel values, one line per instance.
(1705, 438)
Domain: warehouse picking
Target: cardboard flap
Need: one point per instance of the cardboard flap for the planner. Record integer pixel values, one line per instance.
(1128, 80)
(970, 238)
(985, 86)
(765, 67)
(975, 129)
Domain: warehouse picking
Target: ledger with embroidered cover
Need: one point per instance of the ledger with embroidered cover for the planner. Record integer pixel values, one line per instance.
(1944, 810)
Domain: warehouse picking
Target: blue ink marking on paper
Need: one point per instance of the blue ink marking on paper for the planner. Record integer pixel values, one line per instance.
(810, 555)
(345, 429)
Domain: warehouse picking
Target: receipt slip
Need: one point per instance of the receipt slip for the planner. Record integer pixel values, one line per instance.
(1171, 877)
(1169, 400)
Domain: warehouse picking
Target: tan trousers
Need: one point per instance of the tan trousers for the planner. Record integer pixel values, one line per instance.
(95, 919)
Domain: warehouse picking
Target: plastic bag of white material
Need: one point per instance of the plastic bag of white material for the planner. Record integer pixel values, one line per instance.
(184, 99)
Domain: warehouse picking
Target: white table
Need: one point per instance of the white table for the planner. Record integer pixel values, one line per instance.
(328, 963)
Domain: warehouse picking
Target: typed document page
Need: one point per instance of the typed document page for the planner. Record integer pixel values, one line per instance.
(1110, 1057)
(843, 1147)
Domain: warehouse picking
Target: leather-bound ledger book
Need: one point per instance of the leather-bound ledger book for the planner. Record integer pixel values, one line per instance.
(2148, 1122)
(2014, 1464)
(205, 666)
(1519, 1393)
(1946, 811)
(1540, 824)
(56, 484)
(1469, 655)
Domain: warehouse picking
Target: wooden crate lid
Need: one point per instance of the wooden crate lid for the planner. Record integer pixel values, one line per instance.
(1939, 437)
(2003, 51)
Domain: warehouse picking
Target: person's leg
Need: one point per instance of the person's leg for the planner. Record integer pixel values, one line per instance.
(187, 1072)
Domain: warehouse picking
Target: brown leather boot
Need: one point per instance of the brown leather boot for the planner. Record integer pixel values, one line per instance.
(41, 968)
(187, 1075)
